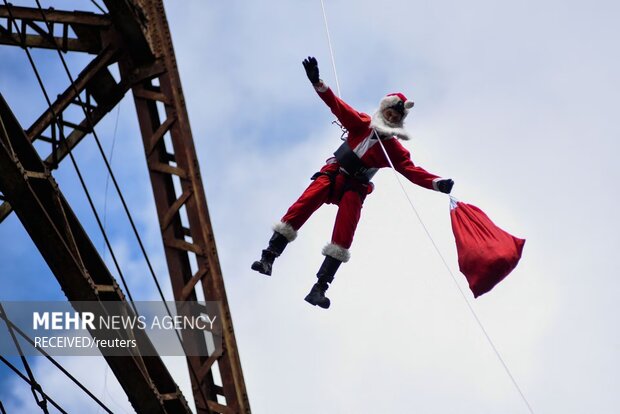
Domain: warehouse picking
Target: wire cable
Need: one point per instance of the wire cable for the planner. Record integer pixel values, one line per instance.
(331, 50)
(107, 178)
(469, 306)
(6, 134)
(69, 149)
(453, 277)
(23, 377)
(57, 364)
(106, 161)
(112, 176)
(119, 192)
(99, 7)
(35, 387)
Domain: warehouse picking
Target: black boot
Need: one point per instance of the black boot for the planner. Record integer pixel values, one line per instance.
(326, 275)
(277, 243)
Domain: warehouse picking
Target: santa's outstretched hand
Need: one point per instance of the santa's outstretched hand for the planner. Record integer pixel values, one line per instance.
(312, 69)
(445, 185)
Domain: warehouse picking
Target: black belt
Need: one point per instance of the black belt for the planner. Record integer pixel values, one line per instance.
(352, 164)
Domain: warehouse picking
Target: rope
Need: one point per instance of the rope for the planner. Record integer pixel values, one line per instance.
(453, 277)
(107, 177)
(331, 50)
(430, 237)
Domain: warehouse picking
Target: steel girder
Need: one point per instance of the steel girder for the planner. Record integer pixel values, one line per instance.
(80, 271)
(86, 28)
(138, 39)
(173, 163)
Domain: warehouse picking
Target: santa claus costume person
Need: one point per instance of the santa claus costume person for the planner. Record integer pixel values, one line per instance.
(345, 179)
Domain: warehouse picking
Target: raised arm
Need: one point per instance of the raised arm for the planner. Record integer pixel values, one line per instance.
(348, 117)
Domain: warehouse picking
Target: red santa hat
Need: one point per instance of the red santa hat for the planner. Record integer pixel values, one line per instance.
(393, 100)
(400, 103)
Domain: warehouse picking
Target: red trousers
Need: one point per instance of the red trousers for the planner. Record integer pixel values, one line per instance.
(340, 189)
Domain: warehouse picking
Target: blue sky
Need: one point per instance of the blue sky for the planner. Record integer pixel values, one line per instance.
(515, 101)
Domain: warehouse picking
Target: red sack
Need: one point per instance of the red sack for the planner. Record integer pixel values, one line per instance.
(487, 254)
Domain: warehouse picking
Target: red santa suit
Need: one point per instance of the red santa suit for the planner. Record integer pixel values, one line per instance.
(334, 185)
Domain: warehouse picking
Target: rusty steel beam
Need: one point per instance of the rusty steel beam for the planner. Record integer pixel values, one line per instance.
(83, 276)
(93, 73)
(90, 29)
(58, 16)
(173, 162)
(132, 23)
(148, 66)
(95, 80)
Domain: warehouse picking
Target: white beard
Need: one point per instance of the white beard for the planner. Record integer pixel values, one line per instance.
(384, 127)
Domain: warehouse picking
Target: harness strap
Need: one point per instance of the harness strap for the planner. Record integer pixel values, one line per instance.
(351, 184)
(332, 180)
(351, 163)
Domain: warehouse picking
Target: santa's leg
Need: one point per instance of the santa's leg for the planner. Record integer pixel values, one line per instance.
(337, 251)
(285, 231)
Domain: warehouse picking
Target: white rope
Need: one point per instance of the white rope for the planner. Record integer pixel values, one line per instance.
(331, 50)
(458, 286)
(107, 177)
(445, 263)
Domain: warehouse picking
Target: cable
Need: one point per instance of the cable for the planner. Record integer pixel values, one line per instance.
(6, 134)
(109, 170)
(105, 384)
(58, 365)
(469, 306)
(70, 151)
(23, 377)
(331, 51)
(35, 387)
(107, 178)
(120, 194)
(12, 328)
(107, 163)
(105, 210)
(445, 263)
(99, 7)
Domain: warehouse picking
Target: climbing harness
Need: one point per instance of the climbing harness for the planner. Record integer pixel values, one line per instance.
(352, 164)
(345, 132)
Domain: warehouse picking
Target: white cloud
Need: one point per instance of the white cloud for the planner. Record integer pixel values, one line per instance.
(515, 101)
(505, 101)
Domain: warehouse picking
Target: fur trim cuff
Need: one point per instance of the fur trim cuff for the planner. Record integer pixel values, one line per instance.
(337, 252)
(321, 86)
(286, 230)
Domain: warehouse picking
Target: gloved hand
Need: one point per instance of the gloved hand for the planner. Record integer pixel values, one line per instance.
(445, 185)
(312, 69)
